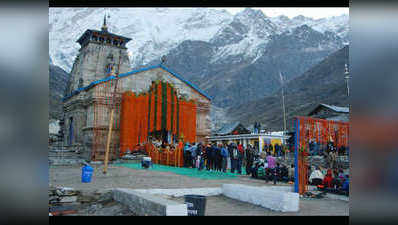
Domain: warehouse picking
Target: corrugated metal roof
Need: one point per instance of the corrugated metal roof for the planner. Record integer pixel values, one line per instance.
(337, 108)
(228, 128)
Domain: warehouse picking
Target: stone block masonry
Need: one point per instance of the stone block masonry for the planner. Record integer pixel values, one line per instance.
(144, 204)
(271, 198)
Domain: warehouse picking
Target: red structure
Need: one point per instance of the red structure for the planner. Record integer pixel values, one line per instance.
(320, 130)
(157, 113)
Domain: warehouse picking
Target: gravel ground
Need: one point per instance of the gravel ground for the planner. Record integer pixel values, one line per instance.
(121, 177)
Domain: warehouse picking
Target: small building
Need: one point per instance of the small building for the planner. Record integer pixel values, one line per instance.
(238, 133)
(232, 129)
(330, 112)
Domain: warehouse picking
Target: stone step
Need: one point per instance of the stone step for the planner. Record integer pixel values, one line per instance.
(62, 154)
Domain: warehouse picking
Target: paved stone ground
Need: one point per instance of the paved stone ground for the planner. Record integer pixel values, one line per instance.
(221, 205)
(121, 177)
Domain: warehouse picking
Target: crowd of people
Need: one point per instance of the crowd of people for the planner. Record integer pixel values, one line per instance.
(334, 181)
(260, 165)
(213, 157)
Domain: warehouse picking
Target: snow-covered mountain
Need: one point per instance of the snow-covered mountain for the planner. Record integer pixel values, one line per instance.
(233, 58)
(156, 31)
(336, 24)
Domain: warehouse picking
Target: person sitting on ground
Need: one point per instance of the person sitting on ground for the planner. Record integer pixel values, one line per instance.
(316, 177)
(291, 172)
(263, 155)
(276, 173)
(345, 188)
(268, 174)
(328, 179)
(163, 145)
(284, 174)
(339, 178)
(157, 143)
(259, 171)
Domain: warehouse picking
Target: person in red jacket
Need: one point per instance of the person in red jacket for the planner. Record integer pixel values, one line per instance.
(328, 179)
(241, 154)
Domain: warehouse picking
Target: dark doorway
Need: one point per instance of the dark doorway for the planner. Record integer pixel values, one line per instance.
(70, 139)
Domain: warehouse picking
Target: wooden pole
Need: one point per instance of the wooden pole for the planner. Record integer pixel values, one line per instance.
(108, 142)
(113, 104)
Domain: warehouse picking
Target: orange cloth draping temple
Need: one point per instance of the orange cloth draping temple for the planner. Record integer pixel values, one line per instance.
(159, 111)
(321, 131)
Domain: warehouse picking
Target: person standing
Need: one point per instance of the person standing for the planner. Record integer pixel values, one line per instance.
(193, 154)
(215, 163)
(234, 158)
(203, 156)
(265, 148)
(187, 155)
(219, 158)
(230, 154)
(271, 149)
(331, 153)
(215, 149)
(277, 173)
(224, 154)
(249, 159)
(209, 157)
(271, 164)
(241, 156)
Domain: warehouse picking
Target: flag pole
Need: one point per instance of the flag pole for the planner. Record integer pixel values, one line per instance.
(283, 104)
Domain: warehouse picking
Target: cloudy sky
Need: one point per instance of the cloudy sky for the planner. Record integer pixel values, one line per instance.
(314, 12)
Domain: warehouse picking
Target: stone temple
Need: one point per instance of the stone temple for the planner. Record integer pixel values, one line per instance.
(148, 103)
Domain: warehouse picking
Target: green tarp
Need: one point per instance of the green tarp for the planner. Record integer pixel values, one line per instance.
(191, 172)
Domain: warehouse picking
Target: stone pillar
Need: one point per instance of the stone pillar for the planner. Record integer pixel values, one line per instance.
(260, 143)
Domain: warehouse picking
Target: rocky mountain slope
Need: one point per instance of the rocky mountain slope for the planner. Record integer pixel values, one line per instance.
(245, 75)
(234, 58)
(323, 83)
(155, 31)
(58, 79)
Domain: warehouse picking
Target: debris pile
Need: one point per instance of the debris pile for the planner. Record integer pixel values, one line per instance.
(62, 201)
(68, 201)
(309, 195)
(135, 155)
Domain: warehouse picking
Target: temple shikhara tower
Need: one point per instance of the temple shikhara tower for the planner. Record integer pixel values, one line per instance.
(152, 102)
